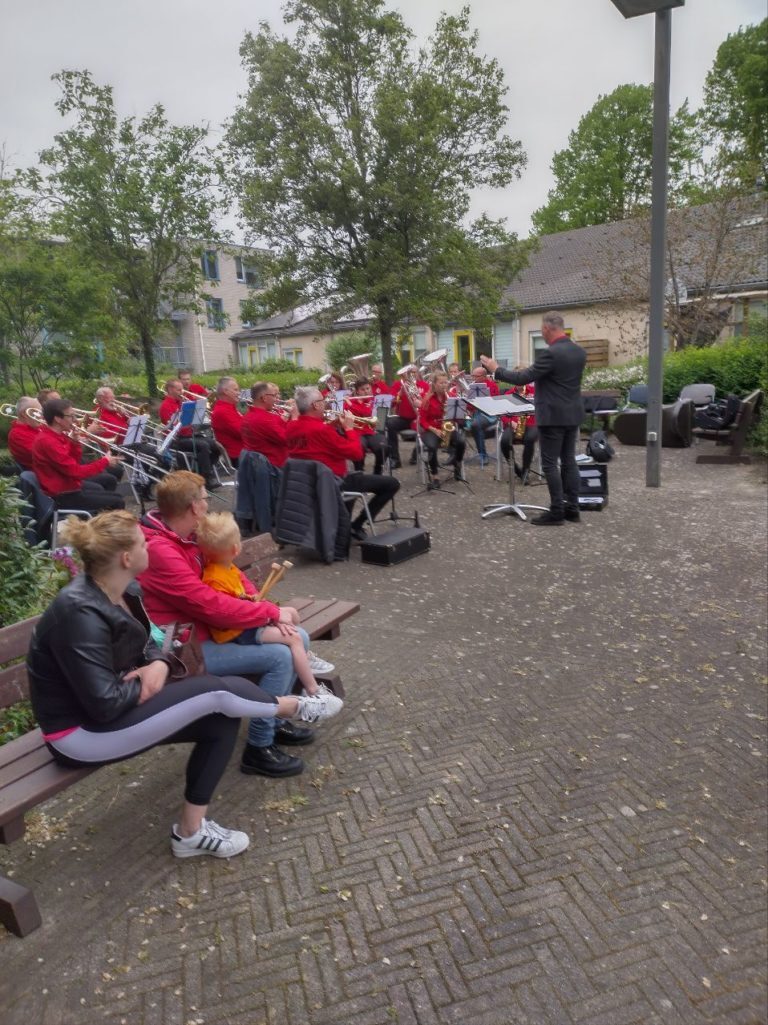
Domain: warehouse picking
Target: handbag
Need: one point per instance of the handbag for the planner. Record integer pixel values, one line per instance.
(181, 646)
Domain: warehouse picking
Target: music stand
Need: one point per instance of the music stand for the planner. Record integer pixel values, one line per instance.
(514, 407)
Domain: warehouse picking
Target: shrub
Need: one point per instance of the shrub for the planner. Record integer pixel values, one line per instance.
(15, 721)
(734, 367)
(24, 571)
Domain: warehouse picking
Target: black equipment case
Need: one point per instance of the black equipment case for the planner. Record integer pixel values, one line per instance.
(593, 486)
(395, 546)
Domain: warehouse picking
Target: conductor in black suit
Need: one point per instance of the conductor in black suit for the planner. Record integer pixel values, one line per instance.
(557, 372)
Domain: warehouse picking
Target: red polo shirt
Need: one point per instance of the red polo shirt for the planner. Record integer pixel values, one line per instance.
(361, 405)
(21, 441)
(227, 424)
(309, 437)
(198, 389)
(403, 407)
(265, 432)
(114, 422)
(432, 413)
(56, 462)
(168, 407)
(380, 388)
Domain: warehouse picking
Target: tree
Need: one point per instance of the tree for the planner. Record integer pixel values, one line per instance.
(352, 343)
(138, 197)
(604, 174)
(354, 159)
(54, 306)
(735, 108)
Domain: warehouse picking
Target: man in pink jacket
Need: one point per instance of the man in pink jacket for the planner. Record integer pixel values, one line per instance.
(174, 592)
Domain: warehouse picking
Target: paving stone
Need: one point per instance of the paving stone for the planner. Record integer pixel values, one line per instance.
(465, 854)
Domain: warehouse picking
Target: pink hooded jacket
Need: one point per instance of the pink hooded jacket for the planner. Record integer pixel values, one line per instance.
(174, 591)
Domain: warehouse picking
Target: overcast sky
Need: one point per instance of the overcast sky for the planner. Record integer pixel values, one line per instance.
(557, 55)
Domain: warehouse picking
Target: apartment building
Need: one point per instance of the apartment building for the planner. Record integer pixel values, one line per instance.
(201, 341)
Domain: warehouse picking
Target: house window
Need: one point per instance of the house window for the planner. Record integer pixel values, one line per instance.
(215, 311)
(295, 356)
(263, 351)
(209, 262)
(405, 348)
(245, 274)
(243, 318)
(537, 342)
(483, 344)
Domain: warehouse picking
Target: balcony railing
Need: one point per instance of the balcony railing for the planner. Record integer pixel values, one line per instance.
(172, 355)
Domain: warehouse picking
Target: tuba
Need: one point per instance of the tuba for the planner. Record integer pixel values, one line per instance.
(409, 375)
(355, 369)
(433, 361)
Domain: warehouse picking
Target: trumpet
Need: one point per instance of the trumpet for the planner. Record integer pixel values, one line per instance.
(331, 417)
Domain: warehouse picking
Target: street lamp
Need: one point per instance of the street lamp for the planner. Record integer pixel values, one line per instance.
(663, 45)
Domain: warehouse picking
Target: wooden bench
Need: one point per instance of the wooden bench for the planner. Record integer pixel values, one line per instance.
(29, 774)
(736, 436)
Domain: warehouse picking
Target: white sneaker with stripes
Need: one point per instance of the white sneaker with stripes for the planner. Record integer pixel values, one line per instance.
(318, 665)
(209, 839)
(314, 707)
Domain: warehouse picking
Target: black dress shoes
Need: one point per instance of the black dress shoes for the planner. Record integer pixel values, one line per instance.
(573, 515)
(395, 464)
(290, 733)
(358, 533)
(548, 519)
(412, 460)
(269, 761)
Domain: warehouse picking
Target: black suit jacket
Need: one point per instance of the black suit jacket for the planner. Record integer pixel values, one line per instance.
(557, 372)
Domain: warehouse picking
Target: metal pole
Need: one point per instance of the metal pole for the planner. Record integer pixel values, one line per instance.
(658, 246)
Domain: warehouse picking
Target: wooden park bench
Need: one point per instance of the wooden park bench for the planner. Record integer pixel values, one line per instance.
(734, 437)
(29, 774)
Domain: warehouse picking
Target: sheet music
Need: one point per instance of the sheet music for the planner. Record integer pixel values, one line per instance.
(135, 431)
(503, 405)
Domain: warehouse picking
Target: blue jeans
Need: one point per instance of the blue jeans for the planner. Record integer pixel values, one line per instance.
(272, 662)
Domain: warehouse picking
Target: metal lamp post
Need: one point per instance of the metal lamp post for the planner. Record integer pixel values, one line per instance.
(663, 45)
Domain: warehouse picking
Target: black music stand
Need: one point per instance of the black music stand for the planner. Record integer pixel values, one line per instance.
(514, 407)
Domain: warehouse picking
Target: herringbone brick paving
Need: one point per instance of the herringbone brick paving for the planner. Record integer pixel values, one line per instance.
(543, 804)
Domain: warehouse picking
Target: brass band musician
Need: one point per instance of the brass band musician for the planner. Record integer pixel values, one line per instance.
(434, 430)
(360, 404)
(520, 428)
(24, 431)
(205, 450)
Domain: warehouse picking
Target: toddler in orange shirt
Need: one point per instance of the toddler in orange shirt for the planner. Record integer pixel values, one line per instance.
(218, 537)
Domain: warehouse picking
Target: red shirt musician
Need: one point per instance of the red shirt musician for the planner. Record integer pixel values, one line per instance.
(310, 437)
(195, 390)
(403, 413)
(205, 450)
(264, 423)
(521, 428)
(361, 405)
(432, 431)
(56, 460)
(226, 418)
(378, 385)
(25, 430)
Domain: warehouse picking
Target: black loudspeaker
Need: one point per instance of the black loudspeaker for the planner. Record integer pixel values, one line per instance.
(395, 546)
(593, 486)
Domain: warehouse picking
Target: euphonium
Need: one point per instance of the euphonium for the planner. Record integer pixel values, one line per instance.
(356, 368)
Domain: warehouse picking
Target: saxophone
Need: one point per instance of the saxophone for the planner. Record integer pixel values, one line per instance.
(446, 431)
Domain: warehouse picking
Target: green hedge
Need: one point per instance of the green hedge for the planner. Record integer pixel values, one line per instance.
(736, 367)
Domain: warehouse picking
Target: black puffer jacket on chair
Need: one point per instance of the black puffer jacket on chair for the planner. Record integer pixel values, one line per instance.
(310, 513)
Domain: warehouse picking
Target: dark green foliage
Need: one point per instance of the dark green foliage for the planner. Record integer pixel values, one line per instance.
(24, 571)
(735, 367)
(352, 343)
(15, 721)
(604, 174)
(736, 105)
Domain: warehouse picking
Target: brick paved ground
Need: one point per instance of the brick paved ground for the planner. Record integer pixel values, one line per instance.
(544, 803)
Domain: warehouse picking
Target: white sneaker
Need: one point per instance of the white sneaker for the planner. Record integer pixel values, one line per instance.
(313, 707)
(209, 839)
(321, 689)
(319, 665)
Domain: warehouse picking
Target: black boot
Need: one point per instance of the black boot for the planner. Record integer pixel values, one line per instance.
(269, 761)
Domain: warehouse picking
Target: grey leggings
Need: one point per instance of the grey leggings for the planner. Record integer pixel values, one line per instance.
(203, 710)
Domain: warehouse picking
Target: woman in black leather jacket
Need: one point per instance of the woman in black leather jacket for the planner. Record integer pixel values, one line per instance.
(100, 687)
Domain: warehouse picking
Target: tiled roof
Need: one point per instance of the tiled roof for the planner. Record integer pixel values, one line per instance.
(606, 261)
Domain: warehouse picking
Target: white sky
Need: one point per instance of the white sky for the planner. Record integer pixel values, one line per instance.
(557, 55)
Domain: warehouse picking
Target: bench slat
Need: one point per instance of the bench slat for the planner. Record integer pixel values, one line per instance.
(14, 685)
(50, 779)
(14, 639)
(324, 616)
(27, 763)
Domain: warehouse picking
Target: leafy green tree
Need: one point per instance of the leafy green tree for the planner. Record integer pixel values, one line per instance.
(352, 343)
(53, 310)
(138, 197)
(604, 174)
(735, 108)
(354, 159)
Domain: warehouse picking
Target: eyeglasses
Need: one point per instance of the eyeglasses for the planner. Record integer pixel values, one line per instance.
(69, 416)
